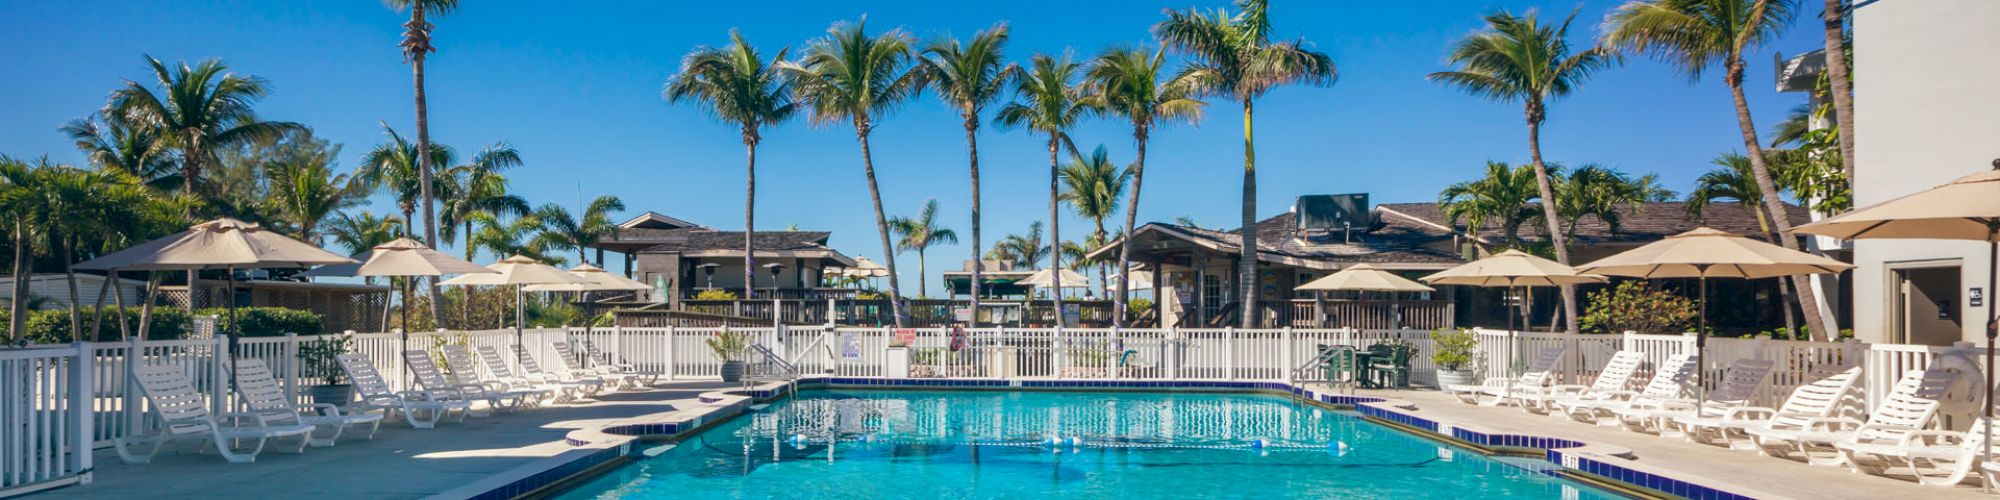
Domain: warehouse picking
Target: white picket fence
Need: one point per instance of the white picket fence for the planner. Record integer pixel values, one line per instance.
(47, 419)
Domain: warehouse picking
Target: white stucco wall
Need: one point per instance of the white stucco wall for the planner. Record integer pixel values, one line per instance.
(1927, 110)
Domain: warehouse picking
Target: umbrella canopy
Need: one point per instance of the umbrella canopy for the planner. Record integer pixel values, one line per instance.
(595, 279)
(1965, 209)
(1141, 280)
(1511, 268)
(1046, 279)
(402, 257)
(516, 270)
(1710, 253)
(864, 268)
(217, 244)
(1364, 277)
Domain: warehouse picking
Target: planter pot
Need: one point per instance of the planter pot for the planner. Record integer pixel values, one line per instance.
(337, 395)
(732, 371)
(1454, 377)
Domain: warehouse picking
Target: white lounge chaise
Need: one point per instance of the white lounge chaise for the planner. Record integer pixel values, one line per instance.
(566, 358)
(559, 372)
(1670, 381)
(465, 372)
(642, 377)
(1740, 383)
(374, 393)
(1616, 376)
(1910, 406)
(184, 415)
(1497, 390)
(432, 383)
(1933, 457)
(263, 395)
(1826, 396)
(497, 364)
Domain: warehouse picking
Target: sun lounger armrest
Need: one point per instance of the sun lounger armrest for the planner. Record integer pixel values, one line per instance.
(236, 418)
(1832, 423)
(1618, 394)
(1747, 413)
(1938, 438)
(1567, 389)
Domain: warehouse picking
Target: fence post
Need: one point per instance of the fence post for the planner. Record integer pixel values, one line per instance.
(291, 361)
(1285, 351)
(218, 376)
(673, 364)
(615, 352)
(135, 354)
(1172, 343)
(1229, 352)
(82, 402)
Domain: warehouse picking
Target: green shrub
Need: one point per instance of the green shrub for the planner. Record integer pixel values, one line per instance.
(266, 321)
(715, 295)
(1452, 351)
(1635, 306)
(51, 326)
(1137, 308)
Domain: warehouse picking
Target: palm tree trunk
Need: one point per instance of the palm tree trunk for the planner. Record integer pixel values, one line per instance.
(978, 264)
(749, 213)
(1246, 270)
(923, 276)
(75, 300)
(17, 312)
(418, 23)
(465, 318)
(1103, 275)
(1836, 75)
(861, 129)
(1808, 303)
(1055, 228)
(1549, 213)
(1784, 291)
(1139, 132)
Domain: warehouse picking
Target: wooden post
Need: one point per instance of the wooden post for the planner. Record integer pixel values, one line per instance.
(1200, 289)
(82, 404)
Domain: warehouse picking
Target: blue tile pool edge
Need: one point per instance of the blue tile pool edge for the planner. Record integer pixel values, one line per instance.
(601, 449)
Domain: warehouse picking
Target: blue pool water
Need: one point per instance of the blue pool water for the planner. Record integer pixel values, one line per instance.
(905, 444)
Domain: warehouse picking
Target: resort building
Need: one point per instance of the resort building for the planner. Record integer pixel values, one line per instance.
(687, 258)
(1928, 90)
(1324, 234)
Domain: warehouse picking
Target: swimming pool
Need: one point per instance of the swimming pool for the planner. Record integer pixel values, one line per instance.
(902, 444)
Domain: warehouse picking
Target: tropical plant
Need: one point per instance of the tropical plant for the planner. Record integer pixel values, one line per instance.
(304, 194)
(851, 76)
(1517, 58)
(198, 109)
(1595, 191)
(520, 236)
(416, 48)
(1505, 198)
(1131, 84)
(393, 168)
(968, 77)
(1234, 56)
(736, 85)
(1048, 100)
(112, 142)
(730, 345)
(1840, 86)
(480, 188)
(359, 232)
(1693, 35)
(1635, 306)
(80, 208)
(18, 189)
(715, 294)
(919, 233)
(562, 230)
(1453, 350)
(1024, 251)
(321, 358)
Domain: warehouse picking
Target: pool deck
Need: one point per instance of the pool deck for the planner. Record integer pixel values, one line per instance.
(1740, 470)
(401, 462)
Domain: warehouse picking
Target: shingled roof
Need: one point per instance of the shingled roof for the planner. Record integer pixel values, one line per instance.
(1637, 223)
(692, 239)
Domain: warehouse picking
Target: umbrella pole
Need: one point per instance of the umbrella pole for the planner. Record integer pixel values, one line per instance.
(1701, 339)
(407, 284)
(519, 314)
(230, 293)
(1992, 332)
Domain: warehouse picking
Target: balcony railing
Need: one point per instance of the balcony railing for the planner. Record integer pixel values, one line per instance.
(856, 312)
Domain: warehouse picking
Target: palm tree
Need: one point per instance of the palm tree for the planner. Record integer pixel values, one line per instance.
(1092, 186)
(1834, 21)
(1234, 56)
(1693, 35)
(19, 188)
(1735, 180)
(111, 142)
(736, 85)
(80, 206)
(304, 194)
(481, 189)
(520, 236)
(919, 233)
(1132, 84)
(1048, 100)
(561, 230)
(394, 168)
(1595, 191)
(851, 76)
(359, 232)
(416, 48)
(1024, 251)
(1517, 58)
(968, 77)
(200, 109)
(1504, 197)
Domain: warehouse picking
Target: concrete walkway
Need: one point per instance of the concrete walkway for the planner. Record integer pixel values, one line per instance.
(1749, 470)
(400, 462)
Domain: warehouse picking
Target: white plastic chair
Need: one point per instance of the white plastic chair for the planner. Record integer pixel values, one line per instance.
(184, 416)
(1498, 390)
(1825, 397)
(374, 393)
(1910, 407)
(262, 393)
(1670, 381)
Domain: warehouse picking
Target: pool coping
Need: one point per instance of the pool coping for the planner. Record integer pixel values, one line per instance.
(602, 448)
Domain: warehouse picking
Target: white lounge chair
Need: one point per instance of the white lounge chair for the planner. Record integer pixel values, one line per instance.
(1826, 396)
(1740, 384)
(1933, 457)
(586, 385)
(465, 372)
(1616, 376)
(560, 392)
(374, 393)
(264, 396)
(184, 416)
(432, 383)
(578, 366)
(1909, 407)
(642, 377)
(1497, 390)
(1670, 381)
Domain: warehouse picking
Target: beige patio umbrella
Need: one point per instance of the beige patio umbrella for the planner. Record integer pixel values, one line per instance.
(1141, 280)
(518, 271)
(1363, 278)
(1045, 278)
(595, 279)
(402, 257)
(1708, 253)
(1512, 268)
(1964, 209)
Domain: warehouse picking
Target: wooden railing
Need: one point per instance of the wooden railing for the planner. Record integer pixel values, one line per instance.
(1366, 314)
(853, 312)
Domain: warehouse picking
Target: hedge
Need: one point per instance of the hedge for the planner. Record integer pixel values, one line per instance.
(51, 326)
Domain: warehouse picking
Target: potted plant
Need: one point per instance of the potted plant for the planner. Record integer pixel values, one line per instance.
(1452, 352)
(732, 347)
(319, 358)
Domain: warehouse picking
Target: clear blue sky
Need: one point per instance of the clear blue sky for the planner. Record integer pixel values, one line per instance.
(577, 91)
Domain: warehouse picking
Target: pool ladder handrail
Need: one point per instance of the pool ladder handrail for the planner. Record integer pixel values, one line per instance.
(769, 366)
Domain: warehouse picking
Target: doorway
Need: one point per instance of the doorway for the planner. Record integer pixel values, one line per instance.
(1927, 309)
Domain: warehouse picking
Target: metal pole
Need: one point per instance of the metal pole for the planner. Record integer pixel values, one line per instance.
(1701, 337)
(1992, 332)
